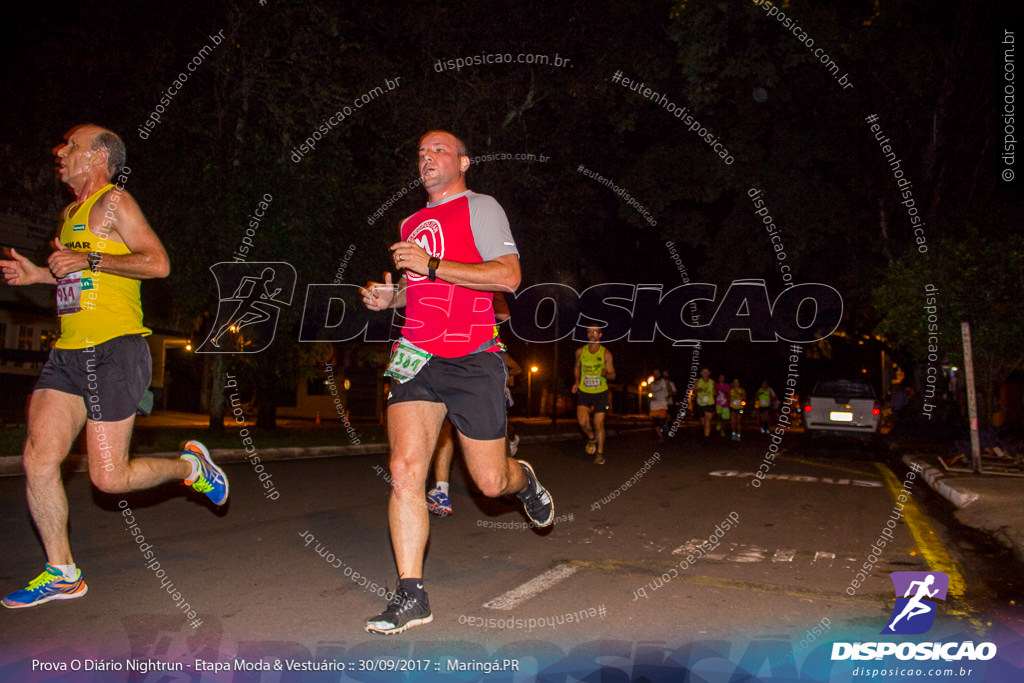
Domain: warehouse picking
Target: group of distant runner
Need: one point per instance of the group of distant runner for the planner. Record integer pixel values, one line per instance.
(728, 402)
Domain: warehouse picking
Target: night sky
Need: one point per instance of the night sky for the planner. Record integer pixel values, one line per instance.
(690, 111)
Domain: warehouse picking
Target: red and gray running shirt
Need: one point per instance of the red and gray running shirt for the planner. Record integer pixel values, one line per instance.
(441, 318)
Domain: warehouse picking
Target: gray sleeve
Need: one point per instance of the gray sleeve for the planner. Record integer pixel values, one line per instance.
(491, 232)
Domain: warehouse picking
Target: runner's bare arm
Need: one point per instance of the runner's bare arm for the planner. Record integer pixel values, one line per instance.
(18, 270)
(500, 274)
(120, 221)
(609, 367)
(576, 371)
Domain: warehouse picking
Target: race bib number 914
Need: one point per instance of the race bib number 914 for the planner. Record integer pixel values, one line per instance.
(69, 294)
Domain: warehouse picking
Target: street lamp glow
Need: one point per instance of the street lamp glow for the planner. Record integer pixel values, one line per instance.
(529, 388)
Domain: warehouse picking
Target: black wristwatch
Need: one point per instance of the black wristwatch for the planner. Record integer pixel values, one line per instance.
(94, 259)
(432, 265)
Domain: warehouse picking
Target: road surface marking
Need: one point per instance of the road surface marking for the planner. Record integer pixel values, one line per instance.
(750, 553)
(784, 555)
(928, 543)
(631, 567)
(840, 468)
(867, 483)
(742, 553)
(690, 547)
(533, 587)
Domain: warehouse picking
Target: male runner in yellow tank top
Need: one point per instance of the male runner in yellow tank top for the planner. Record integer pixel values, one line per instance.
(100, 366)
(592, 371)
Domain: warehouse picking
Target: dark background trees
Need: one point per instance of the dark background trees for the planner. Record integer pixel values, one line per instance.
(932, 77)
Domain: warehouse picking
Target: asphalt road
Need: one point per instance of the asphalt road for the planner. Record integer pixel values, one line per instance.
(622, 577)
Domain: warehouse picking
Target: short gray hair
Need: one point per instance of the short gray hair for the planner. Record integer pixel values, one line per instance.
(114, 147)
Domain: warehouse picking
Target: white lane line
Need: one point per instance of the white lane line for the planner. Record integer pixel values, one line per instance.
(691, 546)
(533, 587)
(783, 555)
(752, 553)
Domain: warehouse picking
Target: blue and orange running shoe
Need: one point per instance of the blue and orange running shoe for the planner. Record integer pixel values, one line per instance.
(209, 478)
(438, 503)
(50, 585)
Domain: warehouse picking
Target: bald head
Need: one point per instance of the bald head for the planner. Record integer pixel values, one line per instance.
(89, 155)
(460, 146)
(442, 164)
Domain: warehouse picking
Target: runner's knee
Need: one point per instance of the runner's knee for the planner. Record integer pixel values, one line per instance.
(38, 461)
(492, 484)
(109, 481)
(407, 473)
(37, 466)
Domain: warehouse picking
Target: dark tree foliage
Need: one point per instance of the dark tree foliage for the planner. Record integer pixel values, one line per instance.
(288, 67)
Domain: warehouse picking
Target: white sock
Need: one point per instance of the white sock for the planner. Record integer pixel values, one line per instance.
(194, 461)
(442, 486)
(70, 571)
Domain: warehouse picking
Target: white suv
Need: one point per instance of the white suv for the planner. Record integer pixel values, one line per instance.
(842, 406)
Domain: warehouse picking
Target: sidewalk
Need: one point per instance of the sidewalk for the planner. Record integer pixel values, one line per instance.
(562, 430)
(991, 503)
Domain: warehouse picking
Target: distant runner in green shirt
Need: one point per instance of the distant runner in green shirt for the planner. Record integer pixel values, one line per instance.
(592, 371)
(704, 398)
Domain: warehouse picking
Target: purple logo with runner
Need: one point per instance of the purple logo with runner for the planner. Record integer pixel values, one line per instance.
(914, 613)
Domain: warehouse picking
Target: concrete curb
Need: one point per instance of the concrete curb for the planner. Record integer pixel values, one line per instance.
(10, 465)
(989, 511)
(956, 493)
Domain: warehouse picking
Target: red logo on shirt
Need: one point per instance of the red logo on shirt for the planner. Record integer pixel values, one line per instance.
(428, 235)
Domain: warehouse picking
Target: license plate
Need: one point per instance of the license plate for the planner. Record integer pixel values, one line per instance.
(837, 416)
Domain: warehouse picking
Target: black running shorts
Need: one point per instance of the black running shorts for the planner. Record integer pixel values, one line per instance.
(110, 377)
(471, 387)
(598, 401)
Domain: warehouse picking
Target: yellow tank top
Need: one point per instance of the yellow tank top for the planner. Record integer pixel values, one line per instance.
(591, 365)
(705, 391)
(95, 307)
